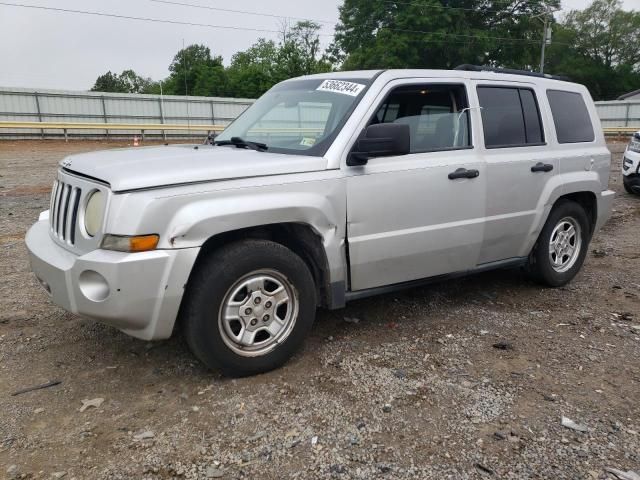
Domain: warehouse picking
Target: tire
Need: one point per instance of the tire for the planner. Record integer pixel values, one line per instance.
(257, 331)
(627, 186)
(545, 265)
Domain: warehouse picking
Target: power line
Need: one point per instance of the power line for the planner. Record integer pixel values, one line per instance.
(447, 7)
(401, 30)
(262, 30)
(144, 19)
(244, 12)
(391, 2)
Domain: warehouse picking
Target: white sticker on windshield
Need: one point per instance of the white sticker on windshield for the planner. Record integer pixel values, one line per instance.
(340, 86)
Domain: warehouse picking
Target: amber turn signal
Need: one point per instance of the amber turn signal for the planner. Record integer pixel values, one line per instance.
(137, 243)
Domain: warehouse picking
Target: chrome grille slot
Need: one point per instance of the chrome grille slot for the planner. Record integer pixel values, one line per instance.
(74, 216)
(65, 200)
(66, 195)
(56, 220)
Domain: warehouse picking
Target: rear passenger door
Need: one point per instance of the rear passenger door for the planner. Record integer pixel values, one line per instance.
(519, 166)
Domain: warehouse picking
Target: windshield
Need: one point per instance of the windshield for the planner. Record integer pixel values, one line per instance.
(298, 116)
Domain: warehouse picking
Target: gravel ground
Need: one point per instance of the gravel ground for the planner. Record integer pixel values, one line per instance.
(411, 386)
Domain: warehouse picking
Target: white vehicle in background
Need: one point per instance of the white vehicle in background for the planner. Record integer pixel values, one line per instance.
(631, 165)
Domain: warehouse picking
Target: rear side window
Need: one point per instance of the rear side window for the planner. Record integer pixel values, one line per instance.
(571, 117)
(510, 117)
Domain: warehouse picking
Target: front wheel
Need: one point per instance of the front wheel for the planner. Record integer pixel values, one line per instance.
(562, 245)
(249, 307)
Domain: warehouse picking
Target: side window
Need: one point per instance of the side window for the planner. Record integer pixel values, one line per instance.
(571, 117)
(437, 115)
(510, 117)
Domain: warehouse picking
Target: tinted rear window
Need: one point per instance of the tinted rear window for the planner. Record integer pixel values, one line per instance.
(571, 117)
(510, 117)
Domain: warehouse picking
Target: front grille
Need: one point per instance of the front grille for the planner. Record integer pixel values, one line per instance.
(65, 200)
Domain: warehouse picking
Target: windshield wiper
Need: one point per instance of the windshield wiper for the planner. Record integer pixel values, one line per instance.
(240, 143)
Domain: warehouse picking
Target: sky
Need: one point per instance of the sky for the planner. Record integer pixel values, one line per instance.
(57, 50)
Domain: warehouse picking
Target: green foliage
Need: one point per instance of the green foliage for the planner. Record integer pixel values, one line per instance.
(427, 34)
(195, 72)
(127, 82)
(266, 63)
(599, 47)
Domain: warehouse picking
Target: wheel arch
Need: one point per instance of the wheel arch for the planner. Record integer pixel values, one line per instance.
(300, 238)
(587, 200)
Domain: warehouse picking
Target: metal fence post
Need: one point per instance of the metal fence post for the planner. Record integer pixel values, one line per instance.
(164, 133)
(35, 95)
(626, 115)
(104, 114)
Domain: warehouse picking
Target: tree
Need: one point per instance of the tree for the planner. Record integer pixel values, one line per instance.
(252, 72)
(434, 34)
(266, 62)
(195, 72)
(300, 50)
(598, 47)
(607, 34)
(127, 82)
(109, 82)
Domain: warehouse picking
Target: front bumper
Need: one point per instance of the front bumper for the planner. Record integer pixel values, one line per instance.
(630, 163)
(631, 171)
(138, 293)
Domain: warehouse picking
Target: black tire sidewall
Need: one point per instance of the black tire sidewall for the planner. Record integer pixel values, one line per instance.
(206, 292)
(542, 269)
(627, 186)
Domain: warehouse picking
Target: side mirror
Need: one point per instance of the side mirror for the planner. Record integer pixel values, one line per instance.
(381, 140)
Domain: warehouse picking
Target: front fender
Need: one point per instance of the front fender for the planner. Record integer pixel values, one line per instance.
(193, 224)
(320, 205)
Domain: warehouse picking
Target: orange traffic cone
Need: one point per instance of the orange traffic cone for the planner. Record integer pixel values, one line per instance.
(135, 141)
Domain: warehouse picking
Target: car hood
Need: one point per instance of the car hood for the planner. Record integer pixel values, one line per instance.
(147, 167)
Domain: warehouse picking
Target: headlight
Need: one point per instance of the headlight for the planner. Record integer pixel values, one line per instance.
(126, 243)
(93, 213)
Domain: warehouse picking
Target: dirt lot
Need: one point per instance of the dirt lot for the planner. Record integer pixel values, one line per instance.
(413, 388)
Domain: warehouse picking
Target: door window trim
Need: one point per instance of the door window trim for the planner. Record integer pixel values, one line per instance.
(422, 83)
(535, 99)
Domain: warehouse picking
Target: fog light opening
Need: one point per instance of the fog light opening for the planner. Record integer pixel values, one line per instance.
(94, 286)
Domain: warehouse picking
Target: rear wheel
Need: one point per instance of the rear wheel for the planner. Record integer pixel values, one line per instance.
(249, 307)
(562, 245)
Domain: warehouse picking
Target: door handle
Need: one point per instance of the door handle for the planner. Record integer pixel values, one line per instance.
(542, 167)
(463, 173)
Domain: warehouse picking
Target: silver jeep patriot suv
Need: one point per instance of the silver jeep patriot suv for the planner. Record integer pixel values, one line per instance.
(328, 188)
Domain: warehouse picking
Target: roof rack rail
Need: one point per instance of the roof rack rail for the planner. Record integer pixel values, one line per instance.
(479, 68)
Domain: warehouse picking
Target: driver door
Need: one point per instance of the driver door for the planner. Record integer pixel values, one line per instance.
(407, 219)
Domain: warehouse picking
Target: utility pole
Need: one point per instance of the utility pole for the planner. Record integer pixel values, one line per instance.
(546, 34)
(544, 43)
(546, 40)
